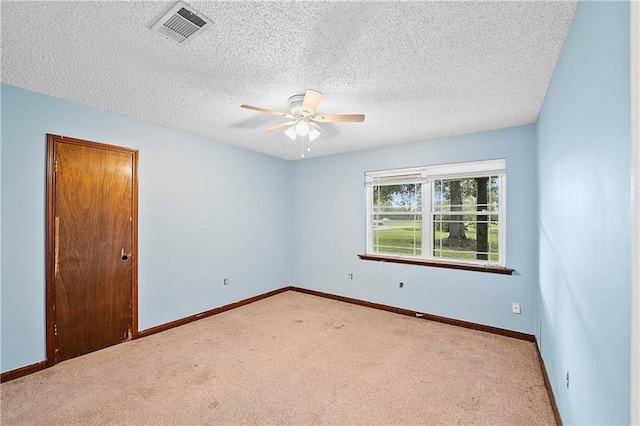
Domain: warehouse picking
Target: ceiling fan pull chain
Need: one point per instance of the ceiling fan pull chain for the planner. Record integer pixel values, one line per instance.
(302, 146)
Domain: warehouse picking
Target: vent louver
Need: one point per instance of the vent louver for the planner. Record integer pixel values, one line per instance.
(181, 23)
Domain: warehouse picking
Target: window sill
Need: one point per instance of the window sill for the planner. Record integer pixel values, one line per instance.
(438, 264)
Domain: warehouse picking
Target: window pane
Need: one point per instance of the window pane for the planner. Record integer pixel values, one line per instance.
(473, 237)
(493, 242)
(460, 229)
(397, 219)
(492, 193)
(455, 195)
(473, 194)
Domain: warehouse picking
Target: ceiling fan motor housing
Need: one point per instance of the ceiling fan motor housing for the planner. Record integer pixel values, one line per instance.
(295, 104)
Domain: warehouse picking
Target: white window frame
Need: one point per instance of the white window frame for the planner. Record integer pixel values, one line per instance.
(427, 176)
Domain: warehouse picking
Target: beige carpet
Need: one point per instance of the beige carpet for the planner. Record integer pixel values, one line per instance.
(292, 359)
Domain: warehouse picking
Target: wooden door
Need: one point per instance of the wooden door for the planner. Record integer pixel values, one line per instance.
(91, 242)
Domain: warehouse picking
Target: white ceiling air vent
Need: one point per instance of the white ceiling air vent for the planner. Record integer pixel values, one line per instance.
(181, 23)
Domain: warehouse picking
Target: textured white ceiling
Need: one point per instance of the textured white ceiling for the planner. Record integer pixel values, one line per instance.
(417, 70)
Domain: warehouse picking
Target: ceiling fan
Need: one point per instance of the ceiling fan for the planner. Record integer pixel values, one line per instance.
(303, 117)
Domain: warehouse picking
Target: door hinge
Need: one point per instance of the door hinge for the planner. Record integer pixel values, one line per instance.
(55, 166)
(55, 329)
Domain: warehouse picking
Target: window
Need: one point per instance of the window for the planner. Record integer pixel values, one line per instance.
(451, 212)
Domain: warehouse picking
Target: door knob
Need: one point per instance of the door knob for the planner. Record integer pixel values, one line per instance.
(124, 256)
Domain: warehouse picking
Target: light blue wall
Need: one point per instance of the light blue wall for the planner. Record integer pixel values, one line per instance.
(329, 232)
(584, 155)
(206, 211)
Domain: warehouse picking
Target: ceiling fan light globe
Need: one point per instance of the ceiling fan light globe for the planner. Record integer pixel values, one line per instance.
(302, 128)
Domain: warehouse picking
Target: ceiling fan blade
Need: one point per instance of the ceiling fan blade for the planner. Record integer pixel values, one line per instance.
(311, 101)
(339, 118)
(280, 126)
(268, 111)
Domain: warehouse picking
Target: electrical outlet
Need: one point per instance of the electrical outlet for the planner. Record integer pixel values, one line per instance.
(567, 379)
(350, 276)
(515, 307)
(226, 281)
